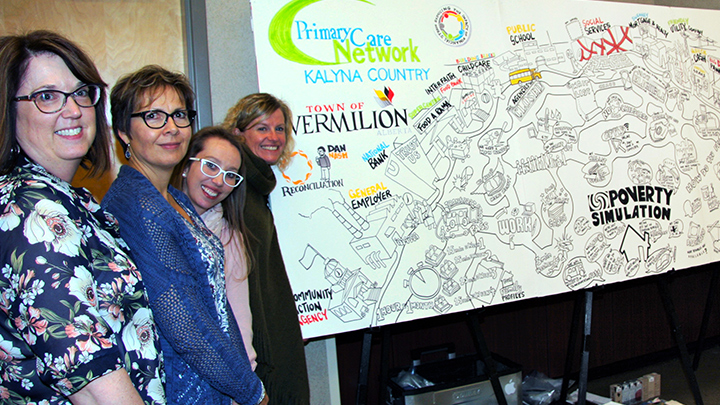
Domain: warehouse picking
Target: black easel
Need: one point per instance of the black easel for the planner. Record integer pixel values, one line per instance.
(706, 316)
(679, 339)
(473, 319)
(583, 310)
(361, 397)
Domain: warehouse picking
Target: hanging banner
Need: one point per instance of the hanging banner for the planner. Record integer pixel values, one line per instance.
(451, 156)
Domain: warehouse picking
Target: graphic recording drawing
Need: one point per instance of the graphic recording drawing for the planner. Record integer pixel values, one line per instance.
(576, 146)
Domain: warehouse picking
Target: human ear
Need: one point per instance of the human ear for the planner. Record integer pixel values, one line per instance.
(125, 137)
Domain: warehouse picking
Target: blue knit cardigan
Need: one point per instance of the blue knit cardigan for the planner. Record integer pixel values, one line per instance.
(204, 365)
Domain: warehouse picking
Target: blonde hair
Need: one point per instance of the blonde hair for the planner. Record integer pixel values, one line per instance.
(258, 105)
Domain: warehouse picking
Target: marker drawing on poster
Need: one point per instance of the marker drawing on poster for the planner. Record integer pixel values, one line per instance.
(450, 157)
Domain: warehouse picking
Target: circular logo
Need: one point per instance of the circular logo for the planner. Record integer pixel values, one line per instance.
(307, 174)
(452, 25)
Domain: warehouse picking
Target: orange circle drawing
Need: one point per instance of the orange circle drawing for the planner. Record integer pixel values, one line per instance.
(307, 175)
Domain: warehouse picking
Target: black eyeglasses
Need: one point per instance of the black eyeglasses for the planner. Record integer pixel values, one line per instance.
(212, 170)
(157, 119)
(52, 101)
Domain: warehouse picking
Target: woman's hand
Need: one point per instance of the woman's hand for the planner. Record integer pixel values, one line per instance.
(110, 389)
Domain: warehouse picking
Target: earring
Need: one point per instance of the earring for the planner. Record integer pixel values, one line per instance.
(184, 174)
(127, 152)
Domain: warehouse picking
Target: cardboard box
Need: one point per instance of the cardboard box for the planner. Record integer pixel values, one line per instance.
(461, 380)
(653, 383)
(636, 391)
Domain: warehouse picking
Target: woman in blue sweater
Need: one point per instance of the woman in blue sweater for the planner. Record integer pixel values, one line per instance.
(180, 259)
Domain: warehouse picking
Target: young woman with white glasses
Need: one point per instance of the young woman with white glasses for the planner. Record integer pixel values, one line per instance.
(210, 175)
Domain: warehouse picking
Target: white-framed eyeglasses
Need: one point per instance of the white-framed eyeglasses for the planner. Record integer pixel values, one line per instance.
(212, 170)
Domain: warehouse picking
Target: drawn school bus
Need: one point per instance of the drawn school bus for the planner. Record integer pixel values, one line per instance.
(524, 75)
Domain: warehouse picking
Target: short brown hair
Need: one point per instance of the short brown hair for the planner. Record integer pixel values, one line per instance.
(259, 105)
(15, 54)
(131, 90)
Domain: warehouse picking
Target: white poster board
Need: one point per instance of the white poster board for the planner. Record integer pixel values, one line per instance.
(451, 156)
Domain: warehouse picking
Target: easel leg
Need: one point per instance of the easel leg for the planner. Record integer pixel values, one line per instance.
(572, 342)
(706, 317)
(582, 310)
(385, 364)
(585, 359)
(361, 397)
(679, 339)
(481, 345)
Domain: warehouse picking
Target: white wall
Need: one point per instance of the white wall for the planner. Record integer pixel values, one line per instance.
(231, 54)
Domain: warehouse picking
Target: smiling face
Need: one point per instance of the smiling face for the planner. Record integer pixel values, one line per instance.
(266, 137)
(157, 151)
(60, 140)
(205, 192)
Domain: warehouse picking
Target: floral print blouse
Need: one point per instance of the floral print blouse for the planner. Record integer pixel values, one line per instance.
(72, 303)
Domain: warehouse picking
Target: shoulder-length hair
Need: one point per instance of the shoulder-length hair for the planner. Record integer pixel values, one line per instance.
(259, 105)
(234, 204)
(136, 89)
(16, 51)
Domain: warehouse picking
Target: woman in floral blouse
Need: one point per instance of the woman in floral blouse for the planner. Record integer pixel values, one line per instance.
(75, 326)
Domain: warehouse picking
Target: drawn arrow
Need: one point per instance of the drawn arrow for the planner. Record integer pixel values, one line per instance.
(633, 242)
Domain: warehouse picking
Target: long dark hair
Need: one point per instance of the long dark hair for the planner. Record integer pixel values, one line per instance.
(234, 203)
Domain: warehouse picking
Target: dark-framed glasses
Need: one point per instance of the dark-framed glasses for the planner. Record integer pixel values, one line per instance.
(157, 119)
(212, 170)
(52, 101)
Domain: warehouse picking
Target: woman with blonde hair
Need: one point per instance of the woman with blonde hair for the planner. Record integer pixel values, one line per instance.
(264, 125)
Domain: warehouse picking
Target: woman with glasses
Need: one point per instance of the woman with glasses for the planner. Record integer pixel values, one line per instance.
(210, 177)
(180, 259)
(75, 324)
